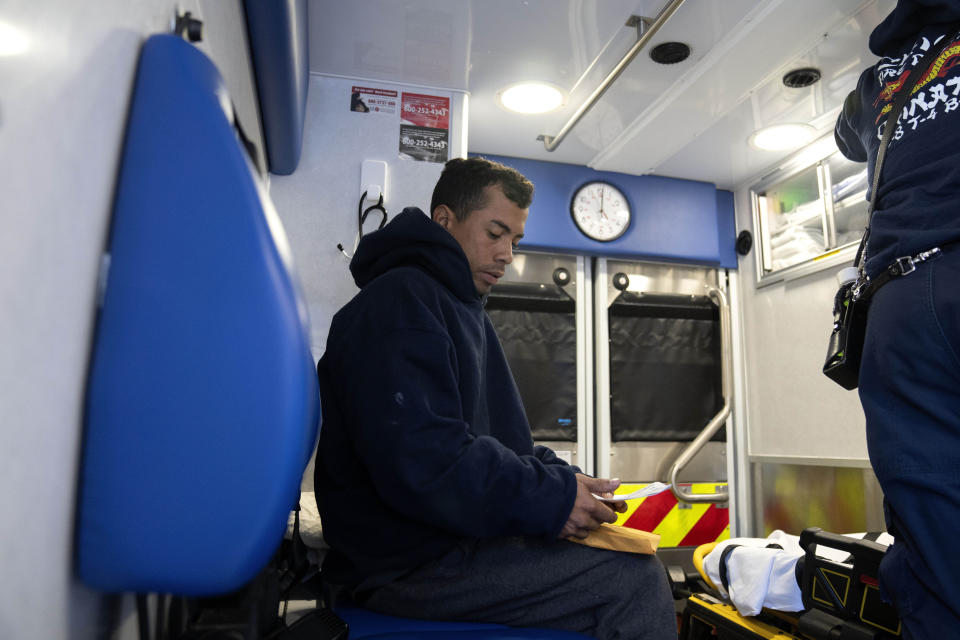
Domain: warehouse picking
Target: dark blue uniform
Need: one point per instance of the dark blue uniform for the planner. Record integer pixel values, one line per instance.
(910, 372)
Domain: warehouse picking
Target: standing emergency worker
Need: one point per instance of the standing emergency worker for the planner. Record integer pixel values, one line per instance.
(910, 371)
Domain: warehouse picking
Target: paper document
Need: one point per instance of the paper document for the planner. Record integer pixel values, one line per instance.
(651, 489)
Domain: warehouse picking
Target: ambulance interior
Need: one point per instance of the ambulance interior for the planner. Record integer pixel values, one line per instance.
(685, 350)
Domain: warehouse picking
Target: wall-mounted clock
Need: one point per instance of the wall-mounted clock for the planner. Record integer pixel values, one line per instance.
(600, 211)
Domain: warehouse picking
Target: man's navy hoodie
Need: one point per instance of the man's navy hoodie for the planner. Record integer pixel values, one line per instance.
(918, 202)
(424, 440)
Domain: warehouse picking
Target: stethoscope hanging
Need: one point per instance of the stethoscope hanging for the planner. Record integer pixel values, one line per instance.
(362, 218)
(374, 207)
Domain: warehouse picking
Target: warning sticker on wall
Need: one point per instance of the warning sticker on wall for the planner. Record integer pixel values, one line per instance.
(424, 127)
(373, 100)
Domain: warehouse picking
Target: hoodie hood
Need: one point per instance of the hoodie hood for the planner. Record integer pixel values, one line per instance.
(907, 19)
(413, 239)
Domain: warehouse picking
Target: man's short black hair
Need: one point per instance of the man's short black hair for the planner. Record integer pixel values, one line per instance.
(463, 181)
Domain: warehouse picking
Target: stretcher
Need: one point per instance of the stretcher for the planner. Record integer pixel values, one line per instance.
(834, 575)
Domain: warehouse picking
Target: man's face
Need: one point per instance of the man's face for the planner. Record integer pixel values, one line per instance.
(488, 236)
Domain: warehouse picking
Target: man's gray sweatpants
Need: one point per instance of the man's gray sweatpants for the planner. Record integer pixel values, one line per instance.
(532, 582)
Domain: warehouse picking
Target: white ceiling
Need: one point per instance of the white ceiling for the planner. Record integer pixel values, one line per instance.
(688, 120)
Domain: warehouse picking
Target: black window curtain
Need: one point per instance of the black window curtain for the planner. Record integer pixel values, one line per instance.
(665, 367)
(537, 328)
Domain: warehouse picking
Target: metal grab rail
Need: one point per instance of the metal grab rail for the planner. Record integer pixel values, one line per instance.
(716, 421)
(552, 142)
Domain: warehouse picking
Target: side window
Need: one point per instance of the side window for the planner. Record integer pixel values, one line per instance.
(809, 213)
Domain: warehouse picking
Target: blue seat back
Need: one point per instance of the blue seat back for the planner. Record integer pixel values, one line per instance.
(202, 403)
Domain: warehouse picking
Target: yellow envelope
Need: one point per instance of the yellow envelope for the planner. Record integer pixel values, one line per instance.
(618, 538)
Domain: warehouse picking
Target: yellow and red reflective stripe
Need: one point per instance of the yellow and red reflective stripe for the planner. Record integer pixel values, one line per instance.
(693, 525)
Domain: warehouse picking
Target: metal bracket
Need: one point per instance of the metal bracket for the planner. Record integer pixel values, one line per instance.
(645, 30)
(642, 23)
(188, 27)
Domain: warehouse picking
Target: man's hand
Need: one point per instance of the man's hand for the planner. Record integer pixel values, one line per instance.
(588, 512)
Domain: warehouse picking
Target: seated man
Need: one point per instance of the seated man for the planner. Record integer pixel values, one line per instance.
(434, 500)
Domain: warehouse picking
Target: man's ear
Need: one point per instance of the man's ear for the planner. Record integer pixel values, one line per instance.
(443, 216)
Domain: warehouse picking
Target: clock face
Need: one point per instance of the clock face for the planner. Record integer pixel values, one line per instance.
(600, 211)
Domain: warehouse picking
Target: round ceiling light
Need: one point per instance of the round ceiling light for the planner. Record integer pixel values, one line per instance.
(530, 97)
(782, 136)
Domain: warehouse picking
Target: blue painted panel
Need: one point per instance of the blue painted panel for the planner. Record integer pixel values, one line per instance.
(278, 46)
(202, 402)
(727, 225)
(674, 220)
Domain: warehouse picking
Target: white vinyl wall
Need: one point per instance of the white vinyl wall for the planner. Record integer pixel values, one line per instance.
(318, 202)
(793, 410)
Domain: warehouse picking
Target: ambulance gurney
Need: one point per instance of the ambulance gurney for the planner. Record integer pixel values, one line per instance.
(817, 586)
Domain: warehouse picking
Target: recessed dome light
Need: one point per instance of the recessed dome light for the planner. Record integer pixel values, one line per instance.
(782, 136)
(530, 97)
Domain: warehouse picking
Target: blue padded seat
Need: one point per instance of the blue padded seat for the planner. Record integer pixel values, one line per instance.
(202, 403)
(367, 625)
